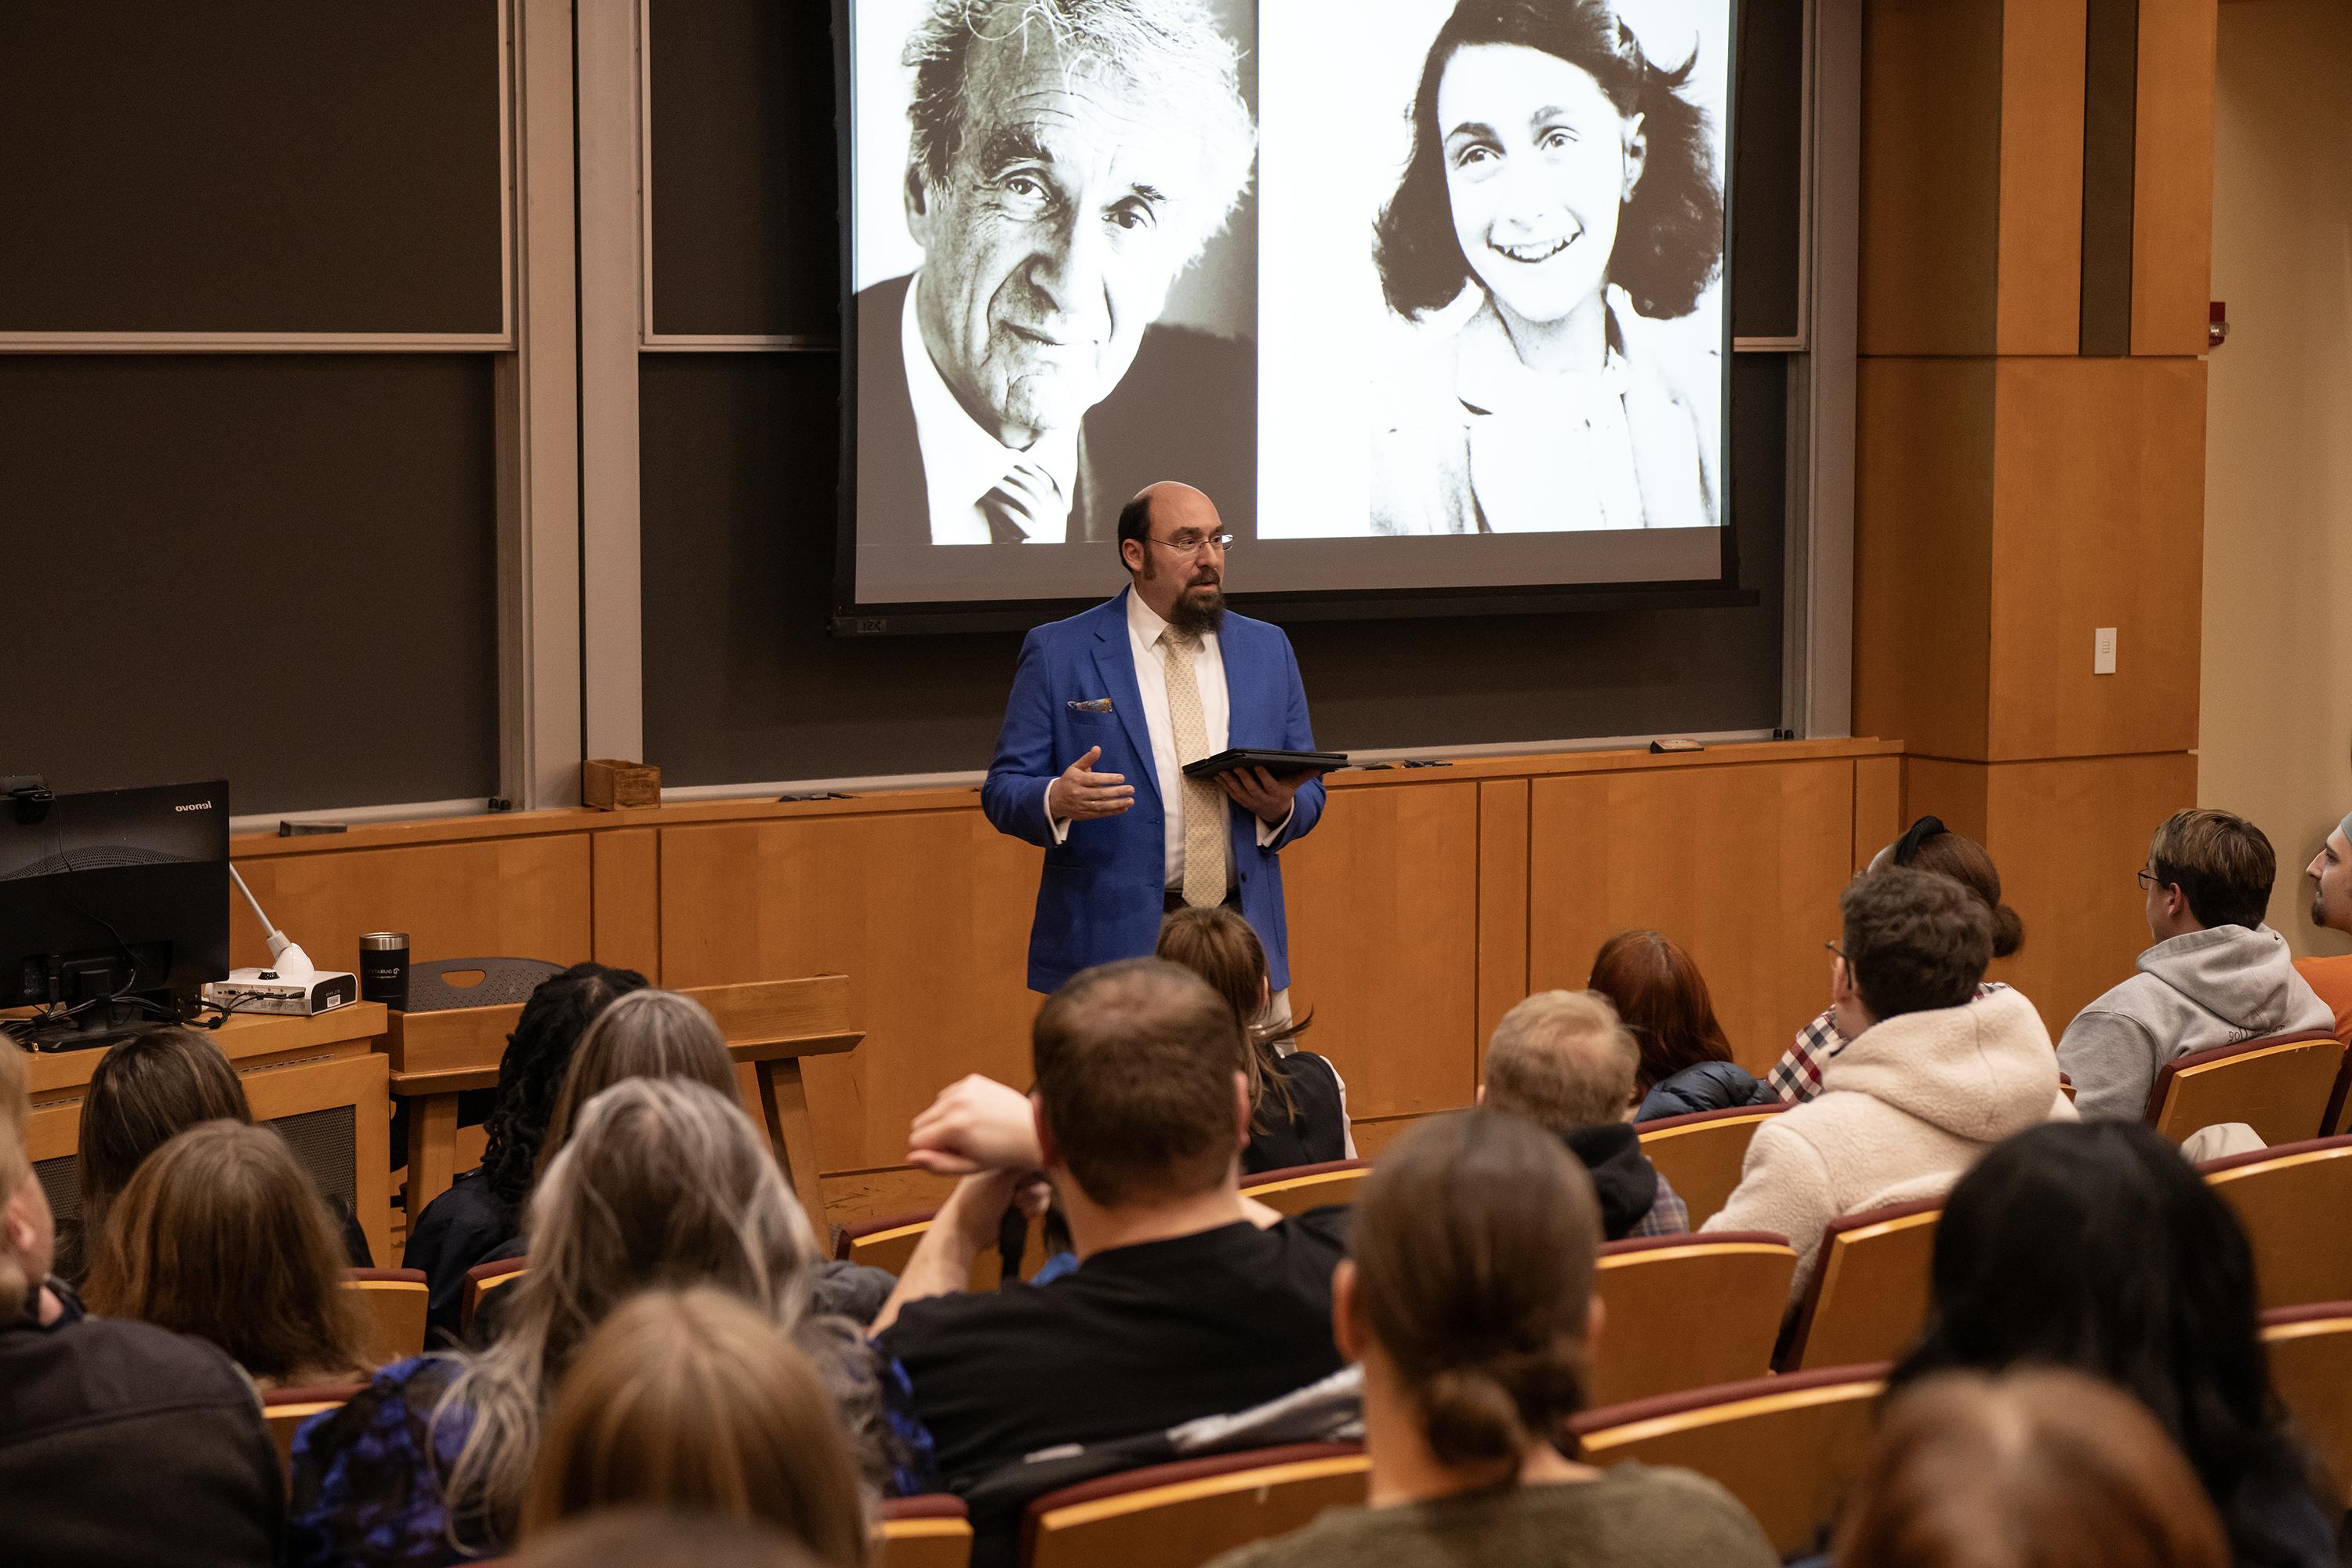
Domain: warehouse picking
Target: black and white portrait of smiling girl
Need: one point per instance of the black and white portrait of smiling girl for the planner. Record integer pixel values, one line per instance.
(1562, 190)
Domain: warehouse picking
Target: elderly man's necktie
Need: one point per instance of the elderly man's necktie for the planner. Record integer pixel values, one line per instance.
(1015, 506)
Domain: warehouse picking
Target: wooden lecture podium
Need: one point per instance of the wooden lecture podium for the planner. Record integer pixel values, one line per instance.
(770, 1026)
(319, 1081)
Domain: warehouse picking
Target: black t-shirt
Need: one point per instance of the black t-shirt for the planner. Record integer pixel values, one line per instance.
(1137, 1339)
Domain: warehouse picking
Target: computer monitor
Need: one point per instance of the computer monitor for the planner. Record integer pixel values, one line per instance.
(113, 904)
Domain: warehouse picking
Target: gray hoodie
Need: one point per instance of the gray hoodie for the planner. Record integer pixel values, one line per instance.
(2212, 987)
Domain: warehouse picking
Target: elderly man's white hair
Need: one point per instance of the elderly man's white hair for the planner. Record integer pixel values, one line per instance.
(1172, 48)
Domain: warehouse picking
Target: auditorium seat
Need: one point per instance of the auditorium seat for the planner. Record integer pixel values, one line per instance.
(1700, 1154)
(1686, 1312)
(2310, 1351)
(480, 1280)
(391, 1303)
(887, 1243)
(2280, 1086)
(1295, 1189)
(2295, 1204)
(286, 1408)
(1181, 1515)
(1868, 1297)
(929, 1532)
(1788, 1448)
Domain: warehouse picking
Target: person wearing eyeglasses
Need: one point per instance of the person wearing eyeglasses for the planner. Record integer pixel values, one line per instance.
(2215, 976)
(1106, 708)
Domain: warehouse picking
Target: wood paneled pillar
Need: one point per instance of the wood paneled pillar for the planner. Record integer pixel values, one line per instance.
(2036, 200)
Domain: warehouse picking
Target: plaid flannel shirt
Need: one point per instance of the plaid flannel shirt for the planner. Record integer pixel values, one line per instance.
(1668, 1216)
(1796, 1078)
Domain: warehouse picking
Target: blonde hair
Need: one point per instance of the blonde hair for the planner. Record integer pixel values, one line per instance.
(1563, 1060)
(691, 1401)
(644, 1034)
(15, 1086)
(665, 1182)
(16, 1170)
(220, 1234)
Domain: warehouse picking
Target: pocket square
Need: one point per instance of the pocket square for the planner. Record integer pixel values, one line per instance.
(1096, 705)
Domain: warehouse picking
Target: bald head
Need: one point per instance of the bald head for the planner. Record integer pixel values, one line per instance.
(1171, 538)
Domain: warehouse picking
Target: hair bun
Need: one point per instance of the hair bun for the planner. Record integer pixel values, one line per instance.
(2007, 931)
(1471, 1417)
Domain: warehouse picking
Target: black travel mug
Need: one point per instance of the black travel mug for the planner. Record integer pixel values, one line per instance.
(383, 968)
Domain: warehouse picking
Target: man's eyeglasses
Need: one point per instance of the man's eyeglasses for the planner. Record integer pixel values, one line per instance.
(1192, 544)
(2146, 879)
(1836, 949)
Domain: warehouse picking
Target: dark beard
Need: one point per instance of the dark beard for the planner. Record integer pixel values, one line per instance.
(1197, 620)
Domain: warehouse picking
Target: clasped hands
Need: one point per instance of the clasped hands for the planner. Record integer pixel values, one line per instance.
(986, 1132)
(1081, 793)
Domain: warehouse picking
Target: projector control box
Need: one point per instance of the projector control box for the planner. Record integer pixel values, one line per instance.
(261, 991)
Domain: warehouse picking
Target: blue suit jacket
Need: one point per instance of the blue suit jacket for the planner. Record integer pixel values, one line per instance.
(1101, 895)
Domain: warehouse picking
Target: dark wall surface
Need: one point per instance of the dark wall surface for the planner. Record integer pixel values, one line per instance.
(276, 569)
(738, 474)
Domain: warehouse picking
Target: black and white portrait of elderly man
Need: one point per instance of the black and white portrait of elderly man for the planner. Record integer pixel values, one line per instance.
(1067, 160)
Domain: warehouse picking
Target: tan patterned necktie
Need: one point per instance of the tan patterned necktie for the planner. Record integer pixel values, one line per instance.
(1204, 804)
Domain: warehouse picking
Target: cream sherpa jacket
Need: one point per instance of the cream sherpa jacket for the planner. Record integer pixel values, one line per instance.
(1903, 1111)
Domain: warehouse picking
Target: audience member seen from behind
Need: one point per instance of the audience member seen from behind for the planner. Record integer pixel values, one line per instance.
(1929, 1079)
(691, 1400)
(1562, 1060)
(662, 1183)
(2217, 975)
(1467, 1297)
(2031, 1469)
(1687, 1063)
(119, 1442)
(1927, 846)
(656, 1538)
(221, 1234)
(483, 1209)
(2098, 1248)
(1188, 1300)
(1298, 1105)
(2331, 909)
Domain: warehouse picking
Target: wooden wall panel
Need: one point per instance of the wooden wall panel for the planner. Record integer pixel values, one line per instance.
(1383, 904)
(926, 913)
(1923, 552)
(2099, 518)
(500, 898)
(2041, 239)
(1502, 905)
(1878, 818)
(2172, 183)
(1742, 866)
(625, 872)
(1931, 156)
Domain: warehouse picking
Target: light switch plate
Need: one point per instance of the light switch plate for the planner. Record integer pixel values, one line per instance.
(2103, 651)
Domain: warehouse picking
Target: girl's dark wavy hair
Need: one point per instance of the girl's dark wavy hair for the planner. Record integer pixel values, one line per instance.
(1669, 235)
(530, 1072)
(2095, 1247)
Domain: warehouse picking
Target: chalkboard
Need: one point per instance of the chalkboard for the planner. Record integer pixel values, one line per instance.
(277, 569)
(270, 166)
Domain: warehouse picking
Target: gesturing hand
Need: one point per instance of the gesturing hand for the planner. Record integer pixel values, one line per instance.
(1081, 792)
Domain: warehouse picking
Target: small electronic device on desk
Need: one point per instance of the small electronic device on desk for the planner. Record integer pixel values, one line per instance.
(113, 907)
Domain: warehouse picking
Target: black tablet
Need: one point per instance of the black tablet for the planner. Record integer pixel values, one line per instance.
(1272, 761)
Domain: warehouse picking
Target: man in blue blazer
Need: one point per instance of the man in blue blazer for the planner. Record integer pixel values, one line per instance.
(1131, 690)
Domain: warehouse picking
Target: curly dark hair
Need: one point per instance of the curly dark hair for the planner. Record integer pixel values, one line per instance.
(1670, 235)
(530, 1072)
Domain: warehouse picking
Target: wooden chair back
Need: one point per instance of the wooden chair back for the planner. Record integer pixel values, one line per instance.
(2310, 1351)
(889, 1242)
(2293, 1202)
(391, 1304)
(2280, 1086)
(1688, 1311)
(1165, 1516)
(284, 1409)
(481, 1280)
(1788, 1448)
(1867, 1300)
(1295, 1189)
(931, 1531)
(1700, 1154)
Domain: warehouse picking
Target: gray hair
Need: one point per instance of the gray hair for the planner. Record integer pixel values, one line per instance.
(1173, 47)
(664, 1181)
(1562, 1059)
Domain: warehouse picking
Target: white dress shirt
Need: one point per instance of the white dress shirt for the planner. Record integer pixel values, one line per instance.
(1143, 631)
(962, 462)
